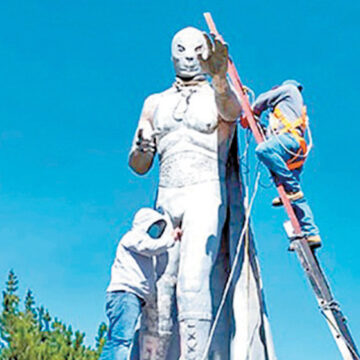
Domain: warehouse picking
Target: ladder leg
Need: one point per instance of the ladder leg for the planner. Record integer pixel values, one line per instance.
(328, 306)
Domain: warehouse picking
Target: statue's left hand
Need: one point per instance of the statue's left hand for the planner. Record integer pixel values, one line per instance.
(177, 233)
(216, 63)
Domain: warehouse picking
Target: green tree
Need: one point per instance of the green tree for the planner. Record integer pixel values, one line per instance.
(101, 337)
(32, 334)
(10, 299)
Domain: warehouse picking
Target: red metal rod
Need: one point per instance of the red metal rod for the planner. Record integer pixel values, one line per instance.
(248, 115)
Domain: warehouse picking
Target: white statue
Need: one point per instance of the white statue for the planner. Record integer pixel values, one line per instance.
(191, 126)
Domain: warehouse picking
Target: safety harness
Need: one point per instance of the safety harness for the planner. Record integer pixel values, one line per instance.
(291, 127)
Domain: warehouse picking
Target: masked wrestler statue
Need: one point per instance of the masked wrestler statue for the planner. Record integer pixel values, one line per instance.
(191, 126)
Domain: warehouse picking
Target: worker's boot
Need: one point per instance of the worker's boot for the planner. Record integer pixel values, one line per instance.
(314, 241)
(194, 334)
(292, 196)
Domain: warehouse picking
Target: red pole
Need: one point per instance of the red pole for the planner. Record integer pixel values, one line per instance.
(250, 121)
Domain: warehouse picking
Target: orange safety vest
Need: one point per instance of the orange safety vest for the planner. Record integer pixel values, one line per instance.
(296, 161)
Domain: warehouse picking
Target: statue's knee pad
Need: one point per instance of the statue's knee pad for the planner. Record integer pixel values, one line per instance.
(194, 302)
(189, 284)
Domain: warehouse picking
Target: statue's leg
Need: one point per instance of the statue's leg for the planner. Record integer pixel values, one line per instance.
(220, 344)
(160, 314)
(202, 227)
(166, 304)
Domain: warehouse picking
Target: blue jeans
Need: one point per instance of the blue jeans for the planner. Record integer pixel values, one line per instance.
(123, 310)
(272, 153)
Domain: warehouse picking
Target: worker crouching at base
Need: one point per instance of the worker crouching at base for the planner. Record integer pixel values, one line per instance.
(132, 278)
(284, 150)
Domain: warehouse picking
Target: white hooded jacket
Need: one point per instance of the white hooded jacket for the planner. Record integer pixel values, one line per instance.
(133, 267)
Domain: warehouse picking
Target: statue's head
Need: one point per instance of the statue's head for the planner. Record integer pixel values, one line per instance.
(186, 45)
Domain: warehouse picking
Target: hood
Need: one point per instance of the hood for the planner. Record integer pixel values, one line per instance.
(293, 82)
(146, 217)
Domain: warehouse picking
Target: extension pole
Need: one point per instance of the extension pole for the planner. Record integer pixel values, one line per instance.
(328, 306)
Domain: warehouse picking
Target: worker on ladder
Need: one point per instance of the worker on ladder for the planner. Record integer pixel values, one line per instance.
(285, 149)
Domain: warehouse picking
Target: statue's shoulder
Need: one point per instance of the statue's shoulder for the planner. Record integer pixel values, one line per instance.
(151, 103)
(153, 100)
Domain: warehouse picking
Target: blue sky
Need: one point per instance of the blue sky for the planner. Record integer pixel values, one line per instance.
(74, 75)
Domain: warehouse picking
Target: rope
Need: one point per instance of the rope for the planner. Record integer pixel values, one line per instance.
(310, 145)
(244, 158)
(232, 272)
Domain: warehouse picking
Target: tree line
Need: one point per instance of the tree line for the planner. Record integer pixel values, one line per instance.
(28, 332)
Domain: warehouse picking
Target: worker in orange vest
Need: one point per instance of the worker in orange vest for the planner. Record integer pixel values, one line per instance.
(284, 150)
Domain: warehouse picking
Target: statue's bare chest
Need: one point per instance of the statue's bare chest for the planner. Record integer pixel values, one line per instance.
(192, 108)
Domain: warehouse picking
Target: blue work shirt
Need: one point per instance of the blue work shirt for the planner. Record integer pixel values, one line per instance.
(287, 98)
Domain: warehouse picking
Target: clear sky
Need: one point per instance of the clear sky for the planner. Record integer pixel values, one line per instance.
(74, 75)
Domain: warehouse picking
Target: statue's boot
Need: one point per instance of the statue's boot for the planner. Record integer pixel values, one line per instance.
(194, 334)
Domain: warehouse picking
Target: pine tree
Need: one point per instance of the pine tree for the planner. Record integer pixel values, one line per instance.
(29, 302)
(10, 299)
(33, 335)
(10, 307)
(101, 337)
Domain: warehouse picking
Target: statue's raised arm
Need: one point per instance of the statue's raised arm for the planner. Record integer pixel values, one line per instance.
(215, 64)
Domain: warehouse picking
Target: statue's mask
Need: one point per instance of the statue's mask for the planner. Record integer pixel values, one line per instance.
(186, 45)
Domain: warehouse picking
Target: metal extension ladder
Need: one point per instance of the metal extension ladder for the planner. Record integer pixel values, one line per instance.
(308, 260)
